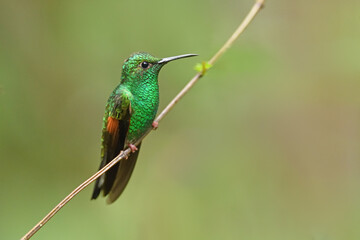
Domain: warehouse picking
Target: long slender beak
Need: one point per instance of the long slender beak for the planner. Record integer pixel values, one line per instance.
(168, 59)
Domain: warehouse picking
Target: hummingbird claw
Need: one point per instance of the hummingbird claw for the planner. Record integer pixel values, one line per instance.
(155, 125)
(133, 148)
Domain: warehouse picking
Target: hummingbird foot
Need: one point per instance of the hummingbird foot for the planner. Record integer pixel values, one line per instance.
(133, 148)
(155, 125)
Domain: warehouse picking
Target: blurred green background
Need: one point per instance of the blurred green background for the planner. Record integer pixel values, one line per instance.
(266, 146)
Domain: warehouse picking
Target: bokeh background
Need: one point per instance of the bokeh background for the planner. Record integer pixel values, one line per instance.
(266, 146)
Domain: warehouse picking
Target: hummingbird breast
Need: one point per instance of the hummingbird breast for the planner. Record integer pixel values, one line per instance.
(144, 106)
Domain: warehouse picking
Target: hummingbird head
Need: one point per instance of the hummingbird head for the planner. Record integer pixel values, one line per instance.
(143, 66)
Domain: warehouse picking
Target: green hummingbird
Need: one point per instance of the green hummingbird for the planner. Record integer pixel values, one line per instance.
(129, 114)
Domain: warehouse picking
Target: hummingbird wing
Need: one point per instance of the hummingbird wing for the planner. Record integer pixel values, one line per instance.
(115, 128)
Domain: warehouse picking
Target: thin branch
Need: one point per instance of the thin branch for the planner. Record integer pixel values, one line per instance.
(254, 10)
(259, 4)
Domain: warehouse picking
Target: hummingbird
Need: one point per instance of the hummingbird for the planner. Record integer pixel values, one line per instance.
(129, 113)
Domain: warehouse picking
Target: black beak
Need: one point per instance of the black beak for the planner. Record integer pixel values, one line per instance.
(169, 59)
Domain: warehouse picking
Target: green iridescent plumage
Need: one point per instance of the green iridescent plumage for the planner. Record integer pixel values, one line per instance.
(129, 114)
(144, 88)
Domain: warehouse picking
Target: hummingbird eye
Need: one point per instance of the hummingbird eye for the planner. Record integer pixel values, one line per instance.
(144, 65)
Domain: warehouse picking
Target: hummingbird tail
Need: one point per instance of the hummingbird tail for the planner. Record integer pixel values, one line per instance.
(123, 176)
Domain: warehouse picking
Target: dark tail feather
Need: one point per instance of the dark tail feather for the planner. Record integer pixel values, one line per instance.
(106, 181)
(99, 182)
(97, 190)
(123, 175)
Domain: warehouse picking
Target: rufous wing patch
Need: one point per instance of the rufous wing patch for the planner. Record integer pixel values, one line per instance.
(112, 125)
